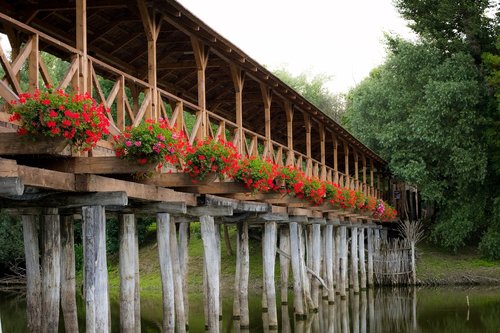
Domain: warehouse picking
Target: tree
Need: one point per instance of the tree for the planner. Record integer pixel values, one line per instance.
(421, 111)
(314, 90)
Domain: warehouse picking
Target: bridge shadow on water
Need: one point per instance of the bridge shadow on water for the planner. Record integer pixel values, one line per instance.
(399, 310)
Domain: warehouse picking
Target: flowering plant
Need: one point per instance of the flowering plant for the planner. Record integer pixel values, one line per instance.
(303, 187)
(150, 142)
(258, 175)
(211, 156)
(389, 213)
(54, 113)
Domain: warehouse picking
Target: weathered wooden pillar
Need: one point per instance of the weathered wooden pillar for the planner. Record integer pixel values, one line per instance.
(238, 77)
(305, 278)
(284, 264)
(371, 311)
(316, 263)
(328, 258)
(369, 245)
(290, 159)
(354, 259)
(338, 255)
(364, 307)
(137, 288)
(33, 279)
(362, 263)
(355, 313)
(343, 261)
(244, 258)
(184, 261)
(269, 258)
(167, 279)
(298, 288)
(127, 272)
(237, 277)
(68, 285)
(219, 253)
(211, 263)
(96, 272)
(267, 98)
(344, 313)
(285, 319)
(51, 270)
(180, 318)
(81, 44)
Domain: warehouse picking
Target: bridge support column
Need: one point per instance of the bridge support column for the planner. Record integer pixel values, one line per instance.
(240, 304)
(68, 287)
(362, 264)
(269, 257)
(167, 279)
(96, 273)
(127, 272)
(180, 318)
(343, 261)
(315, 248)
(298, 288)
(33, 279)
(328, 259)
(284, 264)
(183, 263)
(369, 245)
(354, 259)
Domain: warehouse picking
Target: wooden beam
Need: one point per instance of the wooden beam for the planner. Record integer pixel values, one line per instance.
(216, 188)
(237, 205)
(92, 183)
(11, 186)
(48, 179)
(66, 200)
(98, 165)
(210, 211)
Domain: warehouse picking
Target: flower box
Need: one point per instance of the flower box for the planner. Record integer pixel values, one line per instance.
(15, 144)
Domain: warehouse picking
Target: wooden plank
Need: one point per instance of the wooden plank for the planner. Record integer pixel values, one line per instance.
(67, 200)
(99, 165)
(218, 188)
(48, 179)
(208, 210)
(237, 205)
(14, 144)
(92, 183)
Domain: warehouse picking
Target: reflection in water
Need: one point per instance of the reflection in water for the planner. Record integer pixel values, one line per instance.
(402, 310)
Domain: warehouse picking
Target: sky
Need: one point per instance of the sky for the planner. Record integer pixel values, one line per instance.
(342, 38)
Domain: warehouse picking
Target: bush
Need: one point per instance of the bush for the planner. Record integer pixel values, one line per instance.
(490, 244)
(11, 240)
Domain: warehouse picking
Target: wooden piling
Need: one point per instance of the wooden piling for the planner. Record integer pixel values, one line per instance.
(33, 279)
(127, 272)
(68, 284)
(269, 257)
(328, 258)
(315, 262)
(354, 259)
(184, 262)
(284, 264)
(362, 263)
(369, 245)
(208, 234)
(137, 289)
(51, 270)
(343, 262)
(244, 274)
(219, 254)
(96, 273)
(167, 280)
(180, 319)
(303, 269)
(338, 255)
(298, 299)
(237, 276)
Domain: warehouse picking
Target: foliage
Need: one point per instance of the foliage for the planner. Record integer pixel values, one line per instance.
(11, 234)
(76, 117)
(315, 91)
(490, 243)
(258, 175)
(150, 142)
(211, 156)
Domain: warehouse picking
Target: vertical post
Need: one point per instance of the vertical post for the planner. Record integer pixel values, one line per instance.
(34, 64)
(33, 279)
(127, 272)
(81, 43)
(167, 280)
(323, 151)
(369, 244)
(211, 262)
(244, 274)
(346, 164)
(237, 276)
(362, 263)
(343, 261)
(137, 288)
(51, 270)
(329, 262)
(267, 97)
(68, 287)
(354, 259)
(284, 264)
(338, 255)
(356, 170)
(316, 262)
(335, 159)
(238, 82)
(96, 273)
(365, 190)
(269, 254)
(183, 261)
(289, 132)
(307, 124)
(180, 319)
(298, 288)
(201, 58)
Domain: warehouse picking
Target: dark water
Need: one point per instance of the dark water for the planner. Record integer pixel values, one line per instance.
(383, 310)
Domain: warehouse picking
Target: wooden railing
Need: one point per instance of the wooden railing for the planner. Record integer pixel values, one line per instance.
(132, 100)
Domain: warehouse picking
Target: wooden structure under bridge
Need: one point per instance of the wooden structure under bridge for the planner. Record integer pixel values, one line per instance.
(164, 62)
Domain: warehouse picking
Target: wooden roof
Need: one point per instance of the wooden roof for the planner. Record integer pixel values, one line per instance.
(116, 35)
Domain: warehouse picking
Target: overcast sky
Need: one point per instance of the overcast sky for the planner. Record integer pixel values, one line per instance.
(343, 38)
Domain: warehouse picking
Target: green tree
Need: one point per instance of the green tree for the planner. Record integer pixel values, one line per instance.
(315, 91)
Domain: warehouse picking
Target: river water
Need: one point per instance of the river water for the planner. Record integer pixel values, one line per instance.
(443, 309)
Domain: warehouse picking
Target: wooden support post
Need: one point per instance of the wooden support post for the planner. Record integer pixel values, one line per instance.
(364, 174)
(211, 262)
(237, 276)
(33, 66)
(244, 253)
(180, 318)
(68, 285)
(343, 262)
(284, 264)
(219, 252)
(355, 313)
(33, 279)
(298, 288)
(322, 140)
(335, 159)
(336, 263)
(362, 316)
(362, 263)
(127, 272)
(307, 124)
(289, 133)
(346, 164)
(167, 279)
(354, 259)
(356, 170)
(371, 176)
(96, 272)
(328, 258)
(267, 98)
(269, 256)
(369, 245)
(316, 263)
(137, 289)
(184, 261)
(201, 58)
(51, 270)
(238, 81)
(81, 44)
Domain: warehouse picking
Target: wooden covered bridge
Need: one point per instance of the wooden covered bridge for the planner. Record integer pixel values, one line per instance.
(160, 61)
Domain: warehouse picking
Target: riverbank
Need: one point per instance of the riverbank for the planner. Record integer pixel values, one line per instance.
(434, 266)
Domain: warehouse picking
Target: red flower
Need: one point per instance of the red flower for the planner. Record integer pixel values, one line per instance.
(46, 102)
